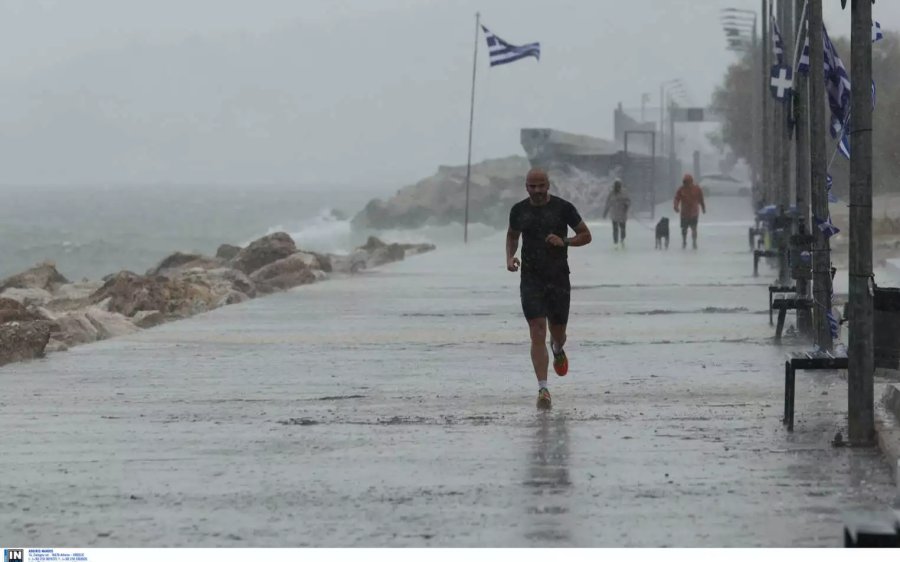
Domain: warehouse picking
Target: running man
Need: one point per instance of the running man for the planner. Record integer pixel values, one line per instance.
(689, 198)
(543, 221)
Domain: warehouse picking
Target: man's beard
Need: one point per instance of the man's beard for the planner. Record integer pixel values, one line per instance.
(539, 198)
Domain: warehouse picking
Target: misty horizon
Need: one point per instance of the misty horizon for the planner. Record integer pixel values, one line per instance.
(220, 94)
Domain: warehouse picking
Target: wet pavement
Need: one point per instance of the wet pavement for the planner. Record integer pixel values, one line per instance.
(397, 409)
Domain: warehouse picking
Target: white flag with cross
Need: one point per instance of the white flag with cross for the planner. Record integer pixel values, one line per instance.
(782, 82)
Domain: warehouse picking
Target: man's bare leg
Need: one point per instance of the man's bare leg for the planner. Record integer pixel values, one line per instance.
(539, 356)
(557, 336)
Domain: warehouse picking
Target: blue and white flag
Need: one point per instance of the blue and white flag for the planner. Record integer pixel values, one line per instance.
(877, 35)
(778, 44)
(837, 86)
(502, 52)
(829, 183)
(827, 227)
(803, 66)
(781, 82)
(844, 144)
(834, 325)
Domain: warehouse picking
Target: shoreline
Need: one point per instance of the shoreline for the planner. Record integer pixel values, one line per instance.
(42, 312)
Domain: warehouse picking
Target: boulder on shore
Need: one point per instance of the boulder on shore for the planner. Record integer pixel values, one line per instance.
(263, 251)
(23, 340)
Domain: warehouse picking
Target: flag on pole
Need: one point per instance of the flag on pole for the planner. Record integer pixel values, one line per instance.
(778, 46)
(834, 325)
(877, 35)
(829, 183)
(827, 227)
(837, 86)
(803, 66)
(502, 52)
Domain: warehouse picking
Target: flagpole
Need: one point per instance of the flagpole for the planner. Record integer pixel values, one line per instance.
(471, 120)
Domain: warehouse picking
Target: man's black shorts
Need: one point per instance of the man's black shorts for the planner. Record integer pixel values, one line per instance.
(546, 298)
(688, 223)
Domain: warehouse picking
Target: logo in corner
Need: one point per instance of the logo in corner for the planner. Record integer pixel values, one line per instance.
(13, 555)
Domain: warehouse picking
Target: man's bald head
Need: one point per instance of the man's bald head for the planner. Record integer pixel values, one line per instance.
(537, 183)
(537, 175)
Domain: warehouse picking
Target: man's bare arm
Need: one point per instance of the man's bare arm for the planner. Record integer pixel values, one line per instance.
(512, 245)
(582, 236)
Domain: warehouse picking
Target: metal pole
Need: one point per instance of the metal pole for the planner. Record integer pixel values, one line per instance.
(783, 158)
(653, 177)
(471, 120)
(787, 26)
(673, 173)
(755, 158)
(817, 171)
(801, 132)
(662, 117)
(766, 143)
(861, 414)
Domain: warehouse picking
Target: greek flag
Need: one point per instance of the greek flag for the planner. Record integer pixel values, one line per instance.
(827, 228)
(803, 66)
(837, 85)
(779, 44)
(834, 325)
(502, 52)
(829, 183)
(877, 35)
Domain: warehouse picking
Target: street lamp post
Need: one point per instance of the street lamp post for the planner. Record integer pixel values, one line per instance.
(738, 24)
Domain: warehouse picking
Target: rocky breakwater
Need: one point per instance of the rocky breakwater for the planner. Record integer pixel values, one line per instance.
(41, 311)
(581, 168)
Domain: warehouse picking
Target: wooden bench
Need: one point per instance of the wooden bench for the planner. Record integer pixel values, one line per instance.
(877, 529)
(778, 289)
(805, 362)
(752, 235)
(762, 254)
(782, 305)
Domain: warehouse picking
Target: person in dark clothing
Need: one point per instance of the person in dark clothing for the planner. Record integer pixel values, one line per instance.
(543, 220)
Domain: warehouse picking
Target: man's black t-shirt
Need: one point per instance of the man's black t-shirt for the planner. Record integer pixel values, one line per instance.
(536, 223)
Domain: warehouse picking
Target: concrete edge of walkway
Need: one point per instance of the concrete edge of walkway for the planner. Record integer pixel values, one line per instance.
(888, 429)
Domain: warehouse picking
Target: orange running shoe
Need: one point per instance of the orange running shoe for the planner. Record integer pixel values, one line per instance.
(560, 363)
(543, 401)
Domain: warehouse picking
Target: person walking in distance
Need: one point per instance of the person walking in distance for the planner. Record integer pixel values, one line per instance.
(543, 221)
(617, 203)
(689, 202)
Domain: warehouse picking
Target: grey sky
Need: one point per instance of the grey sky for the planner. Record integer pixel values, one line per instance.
(352, 92)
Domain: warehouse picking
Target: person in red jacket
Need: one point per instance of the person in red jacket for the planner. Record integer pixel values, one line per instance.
(689, 202)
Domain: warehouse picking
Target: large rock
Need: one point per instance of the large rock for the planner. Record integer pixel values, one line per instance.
(355, 262)
(227, 251)
(379, 252)
(23, 340)
(440, 199)
(89, 325)
(284, 274)
(128, 293)
(263, 251)
(225, 280)
(43, 276)
(28, 297)
(73, 296)
(179, 261)
(14, 311)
